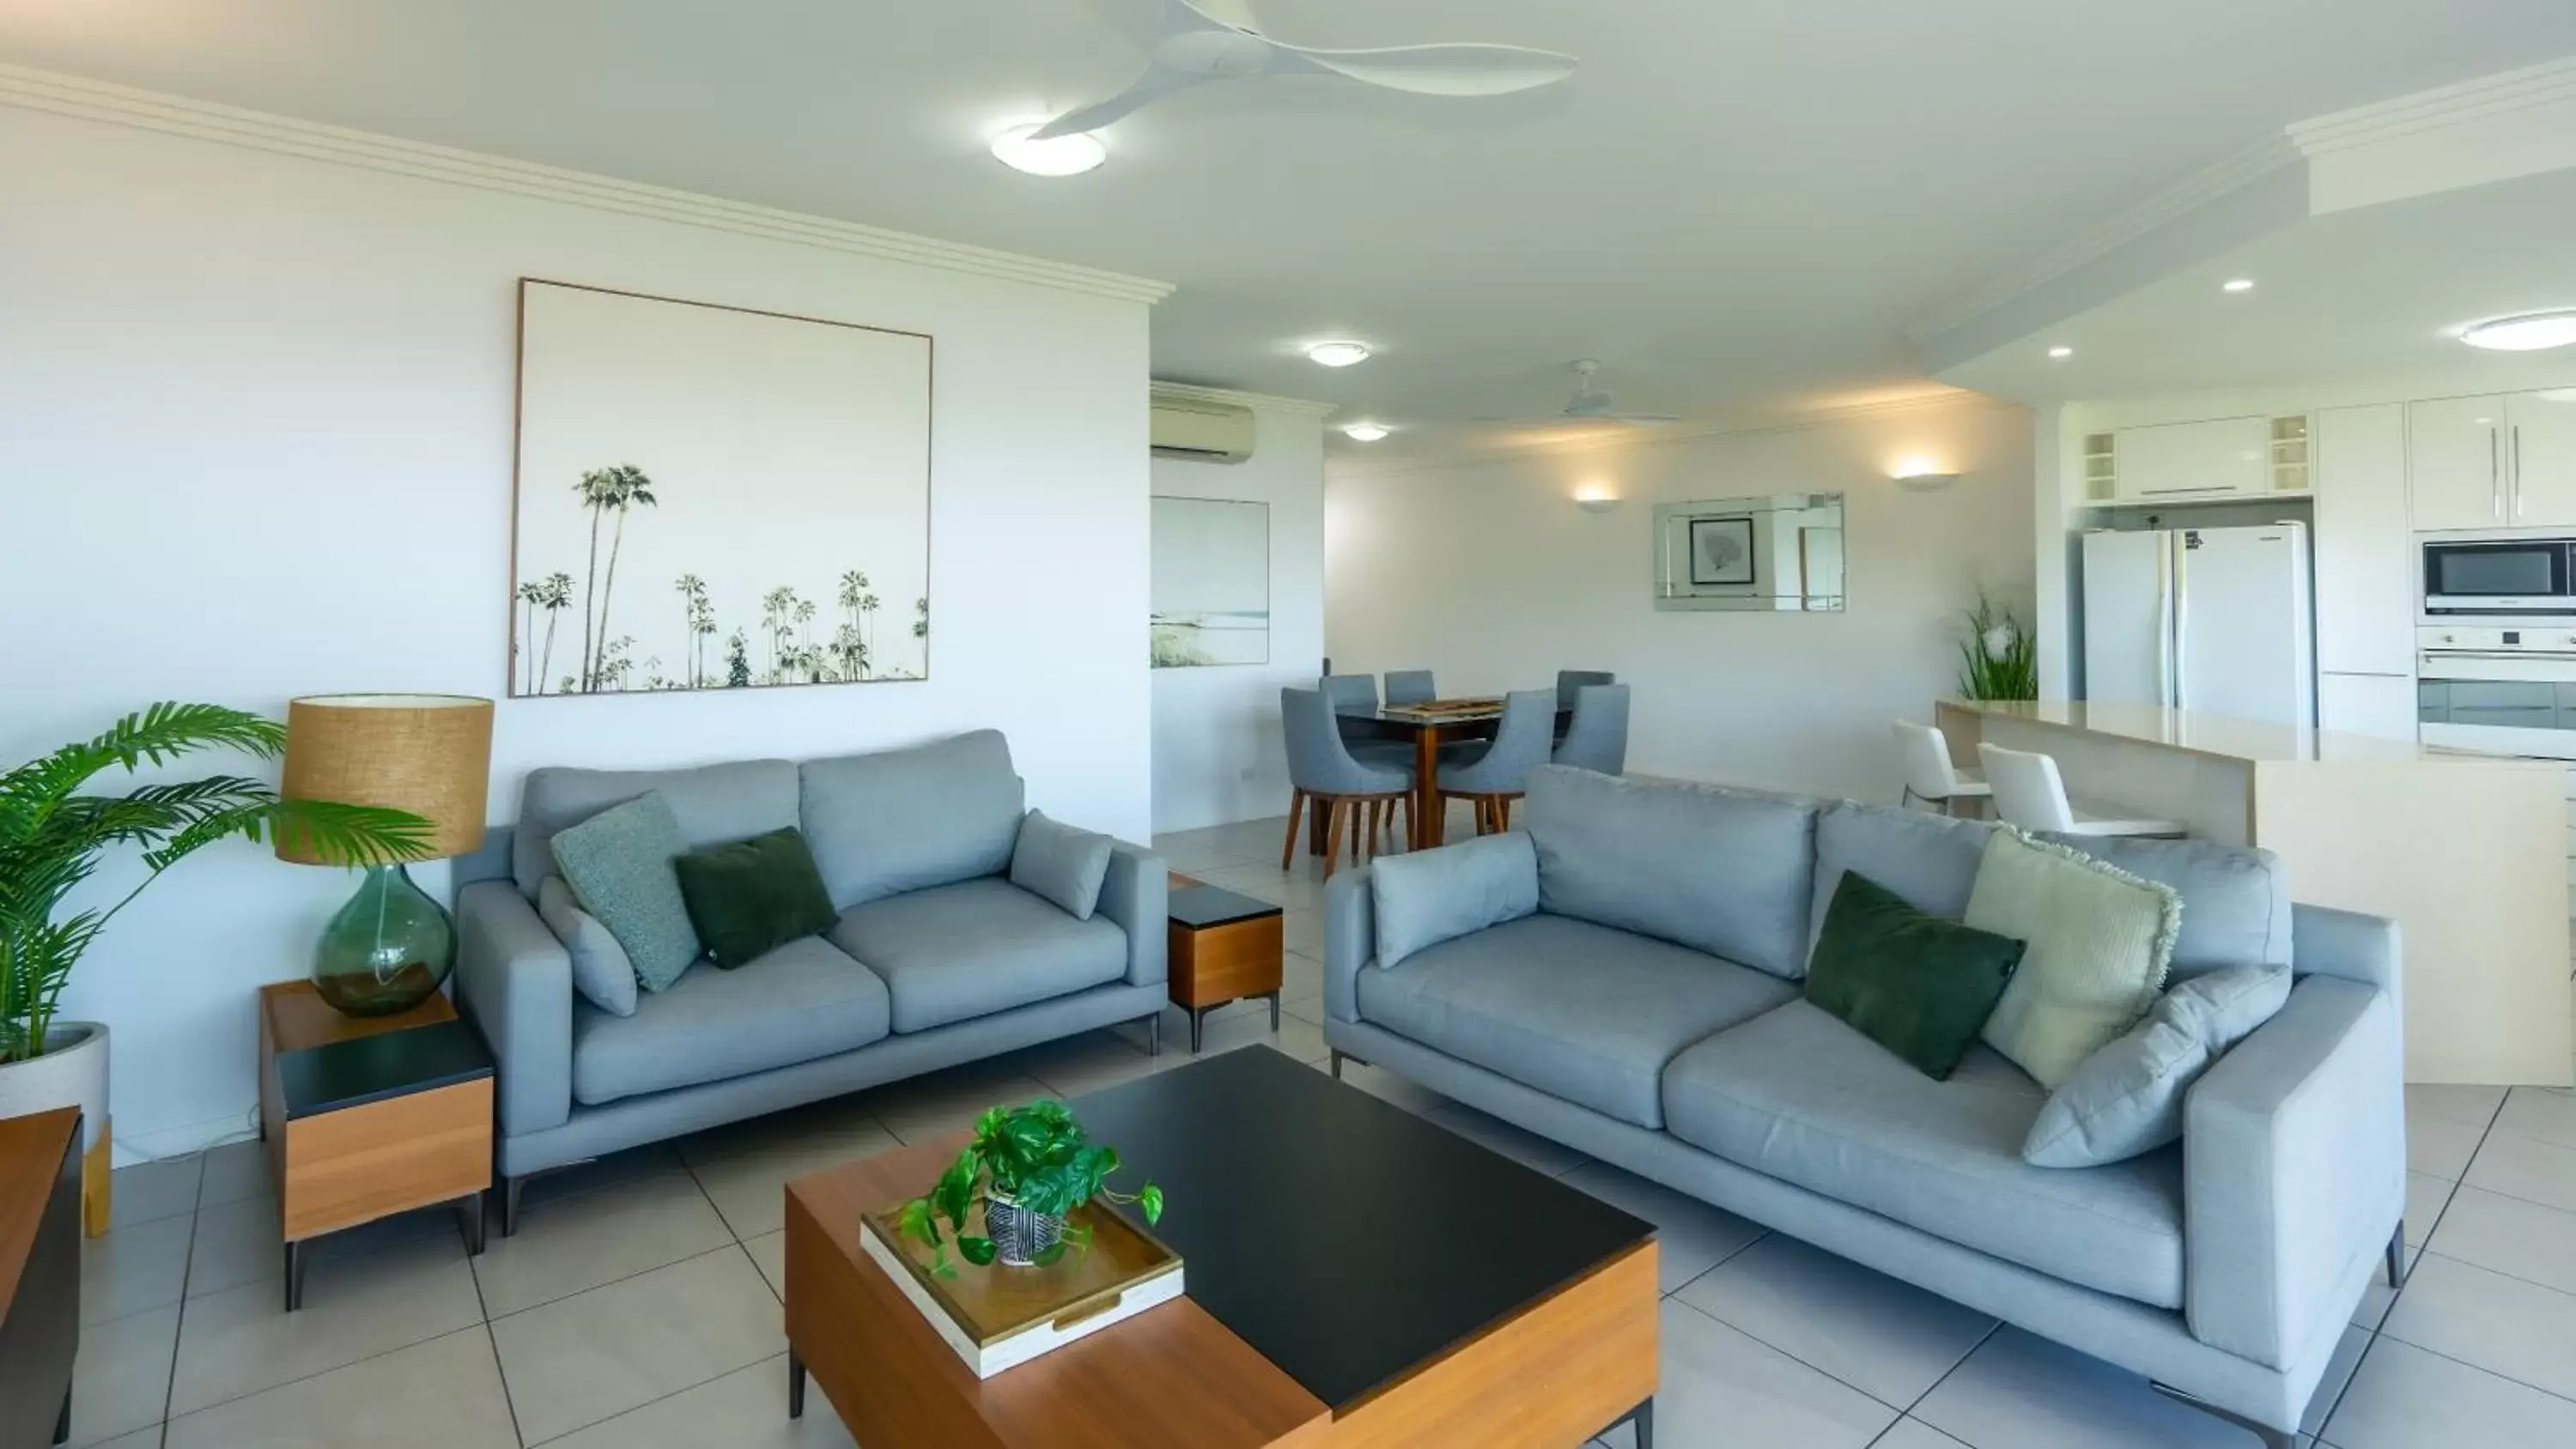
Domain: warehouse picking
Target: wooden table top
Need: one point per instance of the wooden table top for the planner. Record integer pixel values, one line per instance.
(299, 1019)
(1170, 1375)
(31, 1163)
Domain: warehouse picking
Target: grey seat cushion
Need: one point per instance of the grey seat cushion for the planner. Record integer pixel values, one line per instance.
(1929, 861)
(1800, 1096)
(804, 1000)
(2235, 898)
(1729, 872)
(980, 946)
(712, 803)
(900, 820)
(1576, 1010)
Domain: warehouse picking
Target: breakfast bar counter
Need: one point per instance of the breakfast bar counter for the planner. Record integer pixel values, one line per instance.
(2468, 853)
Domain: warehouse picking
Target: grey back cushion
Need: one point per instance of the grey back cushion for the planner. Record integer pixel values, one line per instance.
(1425, 897)
(1060, 862)
(1929, 861)
(713, 804)
(2235, 898)
(601, 969)
(903, 820)
(1729, 872)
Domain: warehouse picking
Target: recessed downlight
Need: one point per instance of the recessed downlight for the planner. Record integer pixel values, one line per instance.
(2237, 284)
(1366, 432)
(1072, 155)
(2060, 353)
(2530, 332)
(1339, 353)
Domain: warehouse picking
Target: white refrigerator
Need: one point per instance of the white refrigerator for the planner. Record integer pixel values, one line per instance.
(2213, 620)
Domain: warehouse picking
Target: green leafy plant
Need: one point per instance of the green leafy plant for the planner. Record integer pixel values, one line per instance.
(1999, 659)
(1037, 1157)
(53, 838)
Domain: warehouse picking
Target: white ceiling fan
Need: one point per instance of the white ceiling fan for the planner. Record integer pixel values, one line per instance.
(1589, 405)
(1211, 40)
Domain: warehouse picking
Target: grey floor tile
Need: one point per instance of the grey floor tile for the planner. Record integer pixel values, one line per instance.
(1915, 1434)
(2504, 1325)
(1087, 1063)
(2508, 1235)
(579, 1360)
(2437, 1146)
(597, 1237)
(2425, 1199)
(2339, 1370)
(2019, 1391)
(2406, 1398)
(949, 1101)
(139, 1439)
(1303, 933)
(2378, 1298)
(1527, 1148)
(1890, 1340)
(745, 1409)
(443, 1394)
(149, 1191)
(1247, 1023)
(1301, 979)
(121, 1374)
(233, 1171)
(1722, 1390)
(2527, 1168)
(1691, 1236)
(1386, 1086)
(238, 1243)
(745, 1168)
(133, 1268)
(769, 1254)
(243, 1340)
(2469, 1106)
(2543, 1112)
(581, 1177)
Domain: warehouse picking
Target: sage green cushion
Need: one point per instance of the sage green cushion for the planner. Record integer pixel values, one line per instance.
(749, 898)
(618, 863)
(2100, 942)
(1910, 981)
(2127, 1098)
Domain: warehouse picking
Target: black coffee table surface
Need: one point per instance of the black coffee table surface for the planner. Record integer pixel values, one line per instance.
(1201, 906)
(1343, 1238)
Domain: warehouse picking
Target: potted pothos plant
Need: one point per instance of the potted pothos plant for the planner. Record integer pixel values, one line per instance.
(1030, 1167)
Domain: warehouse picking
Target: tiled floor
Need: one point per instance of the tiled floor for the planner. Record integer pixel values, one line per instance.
(638, 1305)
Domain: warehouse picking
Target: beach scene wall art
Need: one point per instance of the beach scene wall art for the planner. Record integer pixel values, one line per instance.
(1211, 585)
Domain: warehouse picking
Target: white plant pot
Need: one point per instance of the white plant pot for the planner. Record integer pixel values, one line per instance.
(71, 1073)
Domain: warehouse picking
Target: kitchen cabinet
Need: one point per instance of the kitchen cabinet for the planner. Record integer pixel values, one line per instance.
(2365, 552)
(2455, 462)
(2367, 704)
(2540, 458)
(2186, 462)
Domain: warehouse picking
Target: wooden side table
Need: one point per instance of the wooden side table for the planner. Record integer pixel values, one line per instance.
(1222, 947)
(366, 1117)
(40, 1275)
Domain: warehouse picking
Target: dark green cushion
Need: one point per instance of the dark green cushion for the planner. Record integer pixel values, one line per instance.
(1918, 985)
(754, 896)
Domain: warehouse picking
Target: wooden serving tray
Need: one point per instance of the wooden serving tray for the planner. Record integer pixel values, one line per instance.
(998, 1318)
(1442, 709)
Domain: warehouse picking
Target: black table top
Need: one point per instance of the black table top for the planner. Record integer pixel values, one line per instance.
(1343, 1238)
(374, 1068)
(1201, 906)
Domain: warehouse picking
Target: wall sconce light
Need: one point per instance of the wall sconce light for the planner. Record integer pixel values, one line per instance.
(1922, 475)
(1595, 498)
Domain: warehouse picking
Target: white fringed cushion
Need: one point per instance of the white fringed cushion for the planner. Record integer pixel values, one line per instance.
(2100, 940)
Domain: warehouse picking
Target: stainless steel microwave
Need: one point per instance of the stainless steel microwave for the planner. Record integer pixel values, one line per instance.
(2500, 577)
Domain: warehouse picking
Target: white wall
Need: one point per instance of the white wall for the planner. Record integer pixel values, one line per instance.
(255, 441)
(1217, 756)
(1489, 574)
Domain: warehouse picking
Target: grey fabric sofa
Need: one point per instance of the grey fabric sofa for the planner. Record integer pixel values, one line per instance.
(937, 958)
(1650, 1016)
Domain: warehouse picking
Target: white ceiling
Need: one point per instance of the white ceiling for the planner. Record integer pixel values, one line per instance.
(1736, 205)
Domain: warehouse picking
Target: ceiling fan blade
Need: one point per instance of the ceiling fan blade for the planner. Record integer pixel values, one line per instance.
(1156, 83)
(1642, 420)
(1232, 14)
(1465, 69)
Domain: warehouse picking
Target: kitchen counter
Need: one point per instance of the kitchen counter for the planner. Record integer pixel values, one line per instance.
(2218, 736)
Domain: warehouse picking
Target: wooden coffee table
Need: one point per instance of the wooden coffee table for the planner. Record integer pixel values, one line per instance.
(1356, 1278)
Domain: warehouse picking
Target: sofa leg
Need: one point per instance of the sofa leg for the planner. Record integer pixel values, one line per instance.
(1154, 1035)
(2272, 1438)
(2397, 1256)
(510, 1204)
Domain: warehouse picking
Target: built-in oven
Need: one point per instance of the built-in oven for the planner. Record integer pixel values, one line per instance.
(2498, 578)
(2497, 690)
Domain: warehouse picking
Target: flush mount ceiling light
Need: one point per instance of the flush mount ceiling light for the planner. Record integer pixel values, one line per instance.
(2237, 284)
(2530, 332)
(1336, 354)
(1365, 432)
(2060, 353)
(1020, 149)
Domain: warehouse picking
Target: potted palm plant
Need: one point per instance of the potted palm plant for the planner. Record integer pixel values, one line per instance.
(1029, 1166)
(53, 839)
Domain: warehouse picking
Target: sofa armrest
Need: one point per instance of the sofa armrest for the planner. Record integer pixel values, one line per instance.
(2347, 944)
(1350, 940)
(1137, 895)
(2294, 1170)
(514, 981)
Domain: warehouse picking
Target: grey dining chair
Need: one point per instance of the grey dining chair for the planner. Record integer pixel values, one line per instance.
(1570, 682)
(1358, 692)
(1347, 791)
(1598, 738)
(1410, 686)
(1499, 776)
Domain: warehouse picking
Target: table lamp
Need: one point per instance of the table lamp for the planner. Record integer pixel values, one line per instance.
(391, 946)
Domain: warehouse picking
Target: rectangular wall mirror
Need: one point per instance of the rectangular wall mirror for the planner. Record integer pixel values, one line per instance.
(1781, 554)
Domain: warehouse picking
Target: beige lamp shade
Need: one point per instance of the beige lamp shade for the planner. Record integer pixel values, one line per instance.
(430, 754)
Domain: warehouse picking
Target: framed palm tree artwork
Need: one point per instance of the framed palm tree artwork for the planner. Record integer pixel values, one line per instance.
(715, 498)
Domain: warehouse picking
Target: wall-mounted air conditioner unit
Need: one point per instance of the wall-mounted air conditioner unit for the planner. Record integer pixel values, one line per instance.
(1205, 432)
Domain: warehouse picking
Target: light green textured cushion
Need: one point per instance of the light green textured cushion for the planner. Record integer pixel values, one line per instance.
(618, 863)
(2100, 940)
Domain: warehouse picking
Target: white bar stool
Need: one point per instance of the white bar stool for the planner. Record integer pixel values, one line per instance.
(1929, 775)
(2029, 793)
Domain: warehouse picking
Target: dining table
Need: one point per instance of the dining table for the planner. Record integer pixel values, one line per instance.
(1426, 727)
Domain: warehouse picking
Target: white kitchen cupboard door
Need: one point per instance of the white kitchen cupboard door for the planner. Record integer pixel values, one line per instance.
(2367, 704)
(2365, 552)
(2540, 458)
(2180, 462)
(2456, 463)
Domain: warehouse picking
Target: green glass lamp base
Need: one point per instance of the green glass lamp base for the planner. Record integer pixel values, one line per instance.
(387, 950)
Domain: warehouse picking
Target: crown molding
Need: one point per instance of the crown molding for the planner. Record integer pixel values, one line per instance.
(1261, 401)
(2549, 83)
(91, 100)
